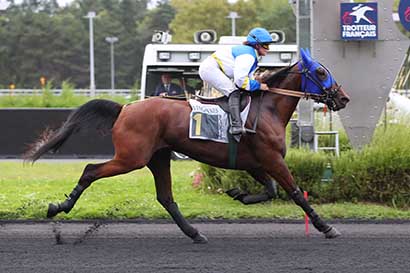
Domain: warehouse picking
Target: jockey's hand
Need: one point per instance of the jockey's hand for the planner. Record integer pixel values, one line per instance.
(264, 87)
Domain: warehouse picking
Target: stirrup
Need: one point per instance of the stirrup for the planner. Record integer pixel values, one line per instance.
(236, 130)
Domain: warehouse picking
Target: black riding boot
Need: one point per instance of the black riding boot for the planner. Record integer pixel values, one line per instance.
(234, 105)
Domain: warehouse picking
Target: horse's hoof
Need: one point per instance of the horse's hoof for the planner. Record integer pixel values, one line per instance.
(200, 239)
(332, 233)
(52, 210)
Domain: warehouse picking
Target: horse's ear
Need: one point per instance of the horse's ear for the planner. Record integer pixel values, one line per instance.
(305, 55)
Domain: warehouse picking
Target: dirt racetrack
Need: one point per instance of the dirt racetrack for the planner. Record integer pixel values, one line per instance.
(233, 247)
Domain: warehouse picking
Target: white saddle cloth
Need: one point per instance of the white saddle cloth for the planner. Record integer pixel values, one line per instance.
(210, 122)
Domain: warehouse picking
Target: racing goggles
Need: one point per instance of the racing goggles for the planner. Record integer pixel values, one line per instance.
(264, 45)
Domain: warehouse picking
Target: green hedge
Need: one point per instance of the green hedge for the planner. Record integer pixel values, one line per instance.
(45, 98)
(380, 172)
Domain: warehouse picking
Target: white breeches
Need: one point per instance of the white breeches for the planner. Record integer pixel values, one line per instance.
(210, 72)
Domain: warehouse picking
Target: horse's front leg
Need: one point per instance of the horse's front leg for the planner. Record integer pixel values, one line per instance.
(275, 165)
(160, 168)
(262, 177)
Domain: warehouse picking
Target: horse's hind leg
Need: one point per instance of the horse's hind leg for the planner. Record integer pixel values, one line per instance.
(262, 177)
(91, 173)
(160, 168)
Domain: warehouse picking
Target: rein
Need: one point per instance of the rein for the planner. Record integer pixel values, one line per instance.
(293, 93)
(327, 96)
(288, 92)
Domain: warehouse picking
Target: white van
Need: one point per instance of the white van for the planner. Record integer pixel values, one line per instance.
(182, 62)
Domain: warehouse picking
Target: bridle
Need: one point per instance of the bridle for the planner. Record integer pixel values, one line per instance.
(328, 94)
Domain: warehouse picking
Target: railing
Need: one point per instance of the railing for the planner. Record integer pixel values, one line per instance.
(334, 148)
(84, 92)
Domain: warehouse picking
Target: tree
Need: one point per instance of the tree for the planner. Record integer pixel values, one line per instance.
(131, 49)
(248, 12)
(41, 39)
(117, 18)
(157, 19)
(194, 15)
(29, 40)
(277, 15)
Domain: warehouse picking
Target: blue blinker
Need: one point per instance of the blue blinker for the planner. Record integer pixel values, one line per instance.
(311, 83)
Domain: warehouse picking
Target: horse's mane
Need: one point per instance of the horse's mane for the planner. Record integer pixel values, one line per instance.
(273, 77)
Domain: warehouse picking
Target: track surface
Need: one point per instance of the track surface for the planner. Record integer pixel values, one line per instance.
(236, 247)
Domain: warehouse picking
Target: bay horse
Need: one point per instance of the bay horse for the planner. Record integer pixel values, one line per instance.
(144, 133)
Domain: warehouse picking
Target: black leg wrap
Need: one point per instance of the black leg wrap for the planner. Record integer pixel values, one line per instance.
(68, 204)
(272, 189)
(183, 224)
(248, 199)
(317, 222)
(234, 192)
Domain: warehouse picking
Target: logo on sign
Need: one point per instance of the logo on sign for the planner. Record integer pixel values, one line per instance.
(404, 13)
(358, 21)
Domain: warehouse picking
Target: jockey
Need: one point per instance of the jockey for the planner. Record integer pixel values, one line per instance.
(230, 69)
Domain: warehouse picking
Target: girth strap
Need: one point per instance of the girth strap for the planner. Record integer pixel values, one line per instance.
(232, 152)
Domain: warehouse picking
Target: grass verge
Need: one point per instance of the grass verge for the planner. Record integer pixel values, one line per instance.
(26, 190)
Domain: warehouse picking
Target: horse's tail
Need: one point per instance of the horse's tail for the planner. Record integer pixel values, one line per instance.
(98, 113)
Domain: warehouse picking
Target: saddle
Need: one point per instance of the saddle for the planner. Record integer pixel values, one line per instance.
(223, 101)
(176, 97)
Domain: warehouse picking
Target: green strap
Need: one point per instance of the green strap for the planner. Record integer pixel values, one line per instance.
(233, 151)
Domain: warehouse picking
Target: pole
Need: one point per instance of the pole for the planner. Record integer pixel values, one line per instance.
(330, 120)
(305, 107)
(233, 15)
(305, 195)
(112, 67)
(90, 16)
(111, 41)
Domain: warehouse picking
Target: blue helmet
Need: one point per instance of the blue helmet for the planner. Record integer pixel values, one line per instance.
(259, 35)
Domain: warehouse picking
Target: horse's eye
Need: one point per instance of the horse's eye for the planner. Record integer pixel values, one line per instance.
(321, 74)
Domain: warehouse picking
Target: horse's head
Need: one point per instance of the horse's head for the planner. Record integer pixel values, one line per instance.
(317, 80)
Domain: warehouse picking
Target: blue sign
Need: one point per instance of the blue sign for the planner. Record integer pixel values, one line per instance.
(358, 21)
(404, 13)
